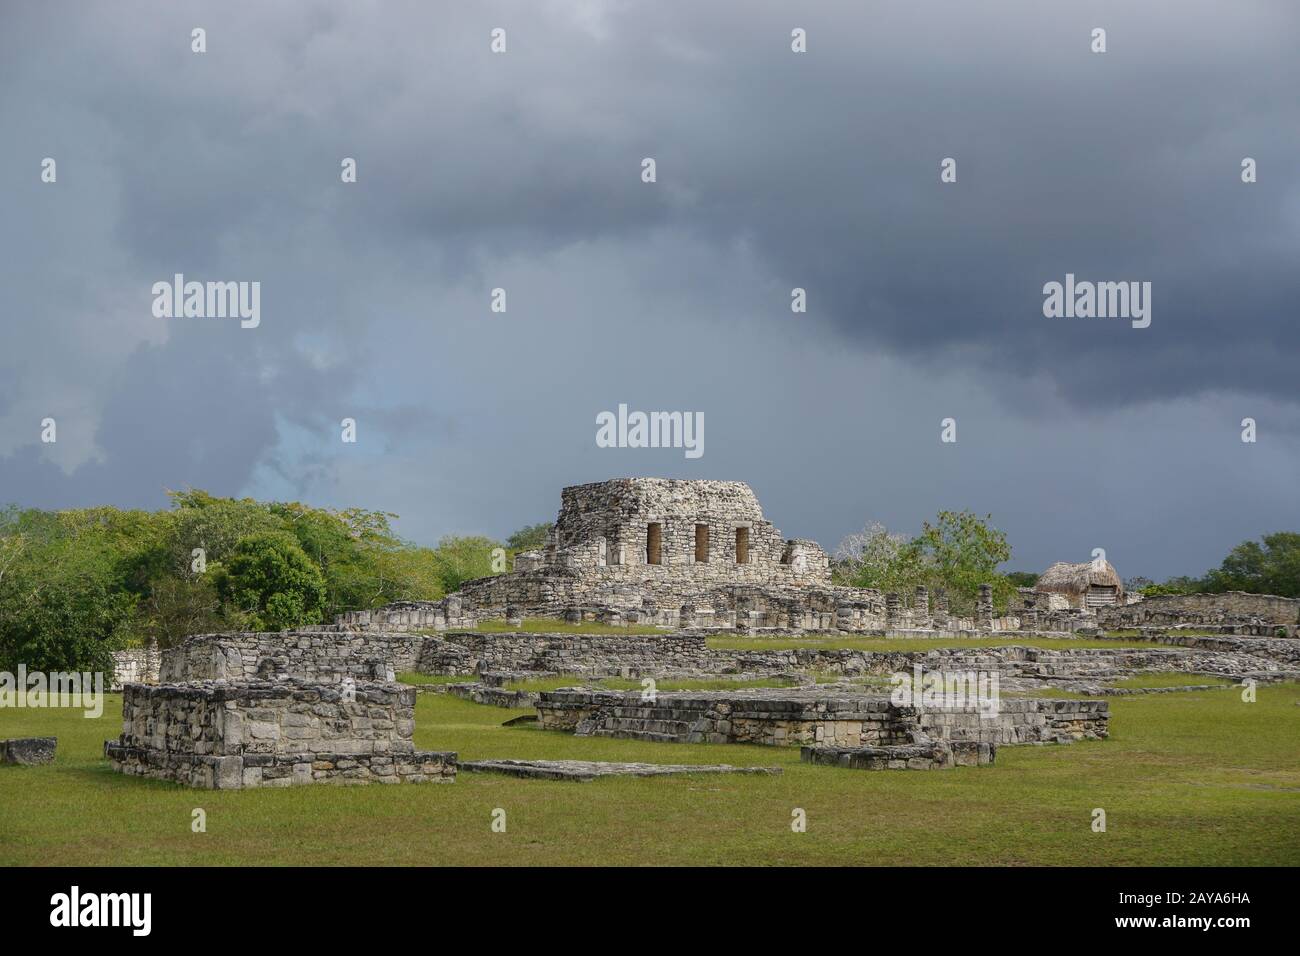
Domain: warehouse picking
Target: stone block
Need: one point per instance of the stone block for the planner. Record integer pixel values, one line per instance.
(29, 751)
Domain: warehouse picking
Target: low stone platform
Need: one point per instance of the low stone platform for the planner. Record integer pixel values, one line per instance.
(481, 693)
(584, 771)
(231, 735)
(811, 716)
(28, 751)
(938, 755)
(248, 771)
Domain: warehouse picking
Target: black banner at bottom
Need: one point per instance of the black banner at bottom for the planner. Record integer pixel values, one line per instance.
(337, 904)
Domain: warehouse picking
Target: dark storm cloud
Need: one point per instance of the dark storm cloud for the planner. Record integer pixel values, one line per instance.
(775, 170)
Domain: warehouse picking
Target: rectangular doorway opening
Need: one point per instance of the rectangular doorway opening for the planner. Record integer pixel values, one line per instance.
(742, 546)
(654, 534)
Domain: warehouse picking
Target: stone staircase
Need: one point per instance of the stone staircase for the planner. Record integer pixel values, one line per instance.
(640, 720)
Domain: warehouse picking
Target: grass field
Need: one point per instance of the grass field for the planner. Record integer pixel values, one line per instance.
(730, 642)
(663, 683)
(1186, 778)
(553, 625)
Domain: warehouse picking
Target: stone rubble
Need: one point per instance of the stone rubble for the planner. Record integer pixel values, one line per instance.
(28, 751)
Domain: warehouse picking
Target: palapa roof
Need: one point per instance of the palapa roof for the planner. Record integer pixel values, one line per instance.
(1069, 578)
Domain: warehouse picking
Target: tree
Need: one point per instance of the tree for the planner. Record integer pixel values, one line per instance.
(1022, 579)
(61, 608)
(1273, 568)
(957, 553)
(180, 606)
(962, 551)
(215, 524)
(271, 579)
(1179, 585)
(530, 537)
(461, 559)
(875, 558)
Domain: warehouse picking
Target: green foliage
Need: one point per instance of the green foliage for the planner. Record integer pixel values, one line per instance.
(1022, 579)
(530, 537)
(957, 553)
(61, 605)
(961, 551)
(215, 524)
(1273, 568)
(1178, 585)
(461, 559)
(270, 578)
(77, 584)
(180, 606)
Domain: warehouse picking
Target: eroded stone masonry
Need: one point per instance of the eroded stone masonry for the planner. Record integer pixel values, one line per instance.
(691, 558)
(695, 554)
(226, 735)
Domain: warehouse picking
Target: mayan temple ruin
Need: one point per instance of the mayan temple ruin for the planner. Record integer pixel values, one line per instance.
(671, 553)
(680, 560)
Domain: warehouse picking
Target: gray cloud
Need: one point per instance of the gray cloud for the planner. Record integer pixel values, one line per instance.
(775, 170)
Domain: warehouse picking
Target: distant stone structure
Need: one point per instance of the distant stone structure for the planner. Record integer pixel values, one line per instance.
(1262, 614)
(815, 717)
(673, 553)
(1083, 586)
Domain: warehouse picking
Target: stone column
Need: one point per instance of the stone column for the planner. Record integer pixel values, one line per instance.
(984, 609)
(891, 609)
(941, 615)
(921, 605)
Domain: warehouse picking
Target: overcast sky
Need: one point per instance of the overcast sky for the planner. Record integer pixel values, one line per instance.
(522, 171)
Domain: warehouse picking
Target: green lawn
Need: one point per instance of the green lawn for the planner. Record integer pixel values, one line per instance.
(1186, 778)
(631, 683)
(728, 642)
(552, 625)
(1123, 633)
(1169, 679)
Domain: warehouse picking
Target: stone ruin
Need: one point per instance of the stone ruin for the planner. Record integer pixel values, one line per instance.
(692, 558)
(676, 553)
(238, 711)
(28, 751)
(819, 717)
(228, 736)
(274, 701)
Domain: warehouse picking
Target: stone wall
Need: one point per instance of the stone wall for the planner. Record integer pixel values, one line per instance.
(589, 654)
(642, 548)
(938, 755)
(815, 718)
(688, 655)
(325, 654)
(603, 530)
(222, 735)
(1209, 609)
(137, 665)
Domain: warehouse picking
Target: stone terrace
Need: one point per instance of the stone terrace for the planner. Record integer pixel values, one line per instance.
(228, 736)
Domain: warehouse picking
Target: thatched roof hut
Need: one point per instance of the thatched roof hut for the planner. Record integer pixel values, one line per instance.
(1090, 584)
